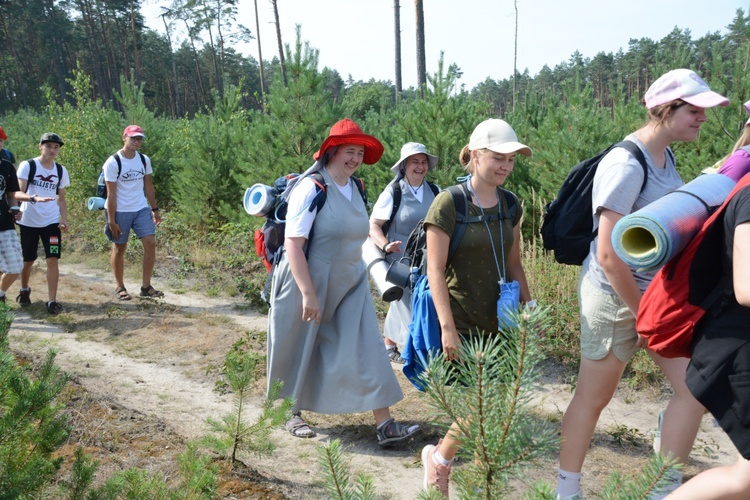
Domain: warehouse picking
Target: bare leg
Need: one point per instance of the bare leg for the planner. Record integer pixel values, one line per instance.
(684, 413)
(449, 446)
(117, 260)
(149, 258)
(381, 415)
(731, 482)
(53, 276)
(26, 273)
(597, 381)
(7, 280)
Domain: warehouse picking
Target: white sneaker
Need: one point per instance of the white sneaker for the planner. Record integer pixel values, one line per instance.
(657, 434)
(578, 495)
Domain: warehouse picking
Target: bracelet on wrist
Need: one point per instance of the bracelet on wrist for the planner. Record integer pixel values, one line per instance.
(155, 209)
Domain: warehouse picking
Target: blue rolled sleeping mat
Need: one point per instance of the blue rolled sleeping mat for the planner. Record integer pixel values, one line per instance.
(648, 238)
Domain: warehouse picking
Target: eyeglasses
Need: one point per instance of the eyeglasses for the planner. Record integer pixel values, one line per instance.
(137, 138)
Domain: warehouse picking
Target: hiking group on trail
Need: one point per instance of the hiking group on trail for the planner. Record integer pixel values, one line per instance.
(315, 332)
(40, 184)
(324, 341)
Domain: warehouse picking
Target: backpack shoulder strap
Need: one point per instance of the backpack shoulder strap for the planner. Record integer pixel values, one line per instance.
(119, 163)
(59, 176)
(396, 192)
(395, 188)
(433, 188)
(362, 191)
(460, 195)
(32, 173)
(143, 158)
(634, 150)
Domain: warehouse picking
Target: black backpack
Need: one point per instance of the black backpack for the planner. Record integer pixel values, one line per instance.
(101, 185)
(568, 226)
(269, 240)
(395, 188)
(32, 173)
(415, 250)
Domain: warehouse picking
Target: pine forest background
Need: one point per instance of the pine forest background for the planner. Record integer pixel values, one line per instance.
(86, 68)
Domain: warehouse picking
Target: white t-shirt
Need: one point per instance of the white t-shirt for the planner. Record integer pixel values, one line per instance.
(299, 218)
(45, 183)
(130, 194)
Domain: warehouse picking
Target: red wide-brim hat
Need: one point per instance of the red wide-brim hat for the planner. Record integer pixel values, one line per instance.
(348, 132)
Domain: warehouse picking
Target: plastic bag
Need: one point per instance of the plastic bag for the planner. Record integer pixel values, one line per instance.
(507, 304)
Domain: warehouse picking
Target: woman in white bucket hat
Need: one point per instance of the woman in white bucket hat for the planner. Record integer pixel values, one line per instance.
(401, 205)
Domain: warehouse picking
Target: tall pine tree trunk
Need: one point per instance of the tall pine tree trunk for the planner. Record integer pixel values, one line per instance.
(421, 65)
(397, 36)
(278, 38)
(174, 93)
(135, 44)
(515, 57)
(260, 59)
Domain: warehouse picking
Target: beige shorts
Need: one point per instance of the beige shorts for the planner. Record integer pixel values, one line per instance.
(606, 324)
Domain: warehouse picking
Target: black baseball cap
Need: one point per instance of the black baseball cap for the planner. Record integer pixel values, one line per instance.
(51, 137)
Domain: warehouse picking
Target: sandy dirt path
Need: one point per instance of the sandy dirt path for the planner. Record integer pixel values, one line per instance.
(170, 391)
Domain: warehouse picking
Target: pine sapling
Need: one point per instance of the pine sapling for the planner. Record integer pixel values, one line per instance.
(487, 392)
(232, 434)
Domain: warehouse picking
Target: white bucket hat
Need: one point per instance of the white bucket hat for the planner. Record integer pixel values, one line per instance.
(414, 148)
(498, 136)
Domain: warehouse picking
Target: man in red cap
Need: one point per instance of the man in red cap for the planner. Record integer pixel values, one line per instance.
(131, 204)
(5, 152)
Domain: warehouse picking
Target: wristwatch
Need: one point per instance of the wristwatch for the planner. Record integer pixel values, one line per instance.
(32, 199)
(155, 209)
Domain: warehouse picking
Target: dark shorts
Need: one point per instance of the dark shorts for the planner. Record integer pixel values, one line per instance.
(51, 239)
(141, 222)
(719, 374)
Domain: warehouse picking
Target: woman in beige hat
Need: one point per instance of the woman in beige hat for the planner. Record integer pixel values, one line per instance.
(465, 289)
(323, 335)
(398, 210)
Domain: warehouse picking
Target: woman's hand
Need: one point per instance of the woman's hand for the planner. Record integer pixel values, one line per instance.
(451, 343)
(310, 308)
(392, 247)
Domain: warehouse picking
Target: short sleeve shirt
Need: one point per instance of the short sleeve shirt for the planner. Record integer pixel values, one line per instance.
(472, 275)
(617, 187)
(299, 217)
(737, 212)
(8, 184)
(45, 183)
(130, 194)
(737, 165)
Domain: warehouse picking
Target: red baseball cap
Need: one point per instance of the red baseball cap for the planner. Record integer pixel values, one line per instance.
(133, 131)
(3, 135)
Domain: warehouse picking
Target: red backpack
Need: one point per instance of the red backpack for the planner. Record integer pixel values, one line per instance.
(685, 288)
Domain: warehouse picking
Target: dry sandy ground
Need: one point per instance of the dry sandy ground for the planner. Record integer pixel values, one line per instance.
(156, 364)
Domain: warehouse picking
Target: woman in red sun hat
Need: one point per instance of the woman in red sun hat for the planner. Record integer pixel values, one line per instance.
(323, 333)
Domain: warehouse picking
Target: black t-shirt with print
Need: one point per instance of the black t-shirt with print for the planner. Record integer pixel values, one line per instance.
(8, 184)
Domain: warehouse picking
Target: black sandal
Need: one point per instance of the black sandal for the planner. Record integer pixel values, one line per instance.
(297, 427)
(151, 292)
(122, 294)
(393, 432)
(395, 355)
